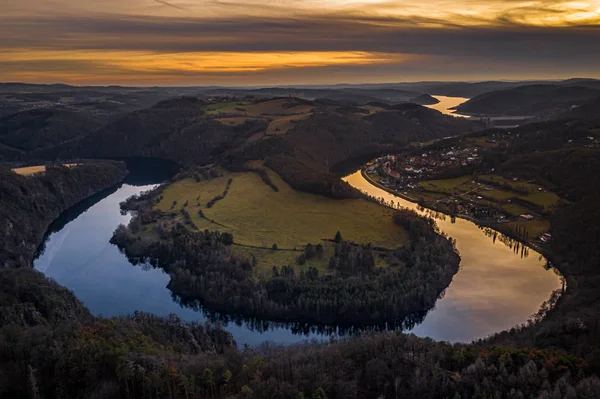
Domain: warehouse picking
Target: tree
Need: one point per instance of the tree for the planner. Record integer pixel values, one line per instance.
(338, 237)
(227, 238)
(319, 394)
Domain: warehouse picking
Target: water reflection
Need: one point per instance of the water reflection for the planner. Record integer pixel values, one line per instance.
(499, 285)
(494, 289)
(447, 104)
(297, 328)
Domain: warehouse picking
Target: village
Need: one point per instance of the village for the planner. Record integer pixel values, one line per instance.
(444, 178)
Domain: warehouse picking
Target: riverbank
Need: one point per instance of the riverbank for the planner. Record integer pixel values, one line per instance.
(36, 201)
(492, 225)
(375, 271)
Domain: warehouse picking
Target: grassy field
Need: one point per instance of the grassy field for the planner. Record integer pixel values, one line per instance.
(497, 194)
(30, 170)
(372, 109)
(503, 190)
(515, 209)
(257, 215)
(535, 228)
(281, 114)
(226, 108)
(544, 199)
(530, 192)
(280, 107)
(456, 186)
(283, 124)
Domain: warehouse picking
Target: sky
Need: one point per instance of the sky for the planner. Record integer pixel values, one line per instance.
(277, 42)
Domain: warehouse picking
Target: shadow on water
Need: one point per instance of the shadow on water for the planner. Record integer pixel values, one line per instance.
(298, 328)
(261, 326)
(142, 172)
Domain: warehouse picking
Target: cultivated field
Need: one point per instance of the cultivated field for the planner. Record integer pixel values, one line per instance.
(30, 170)
(258, 216)
(282, 114)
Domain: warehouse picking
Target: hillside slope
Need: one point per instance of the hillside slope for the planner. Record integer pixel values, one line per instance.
(534, 100)
(304, 156)
(28, 204)
(43, 128)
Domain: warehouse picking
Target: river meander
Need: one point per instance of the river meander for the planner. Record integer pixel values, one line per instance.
(496, 288)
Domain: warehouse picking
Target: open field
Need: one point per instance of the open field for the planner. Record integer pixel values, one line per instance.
(283, 124)
(520, 186)
(535, 228)
(281, 114)
(456, 186)
(497, 194)
(280, 107)
(256, 215)
(502, 190)
(30, 170)
(372, 109)
(226, 108)
(544, 199)
(515, 209)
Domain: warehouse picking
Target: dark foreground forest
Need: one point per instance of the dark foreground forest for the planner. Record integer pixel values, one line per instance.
(51, 347)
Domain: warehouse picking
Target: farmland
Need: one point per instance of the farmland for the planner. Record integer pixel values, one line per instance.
(258, 216)
(30, 170)
(280, 114)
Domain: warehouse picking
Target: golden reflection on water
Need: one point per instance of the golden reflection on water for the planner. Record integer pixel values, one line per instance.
(446, 104)
(496, 287)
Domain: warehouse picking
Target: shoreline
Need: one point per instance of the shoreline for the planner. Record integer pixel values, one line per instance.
(494, 226)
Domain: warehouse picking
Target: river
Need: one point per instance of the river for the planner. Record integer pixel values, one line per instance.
(496, 287)
(446, 105)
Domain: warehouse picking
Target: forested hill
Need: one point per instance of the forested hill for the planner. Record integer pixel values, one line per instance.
(172, 129)
(300, 139)
(28, 204)
(331, 135)
(41, 129)
(535, 100)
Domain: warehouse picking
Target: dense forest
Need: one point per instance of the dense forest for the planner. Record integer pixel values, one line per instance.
(61, 351)
(184, 130)
(353, 292)
(341, 136)
(28, 204)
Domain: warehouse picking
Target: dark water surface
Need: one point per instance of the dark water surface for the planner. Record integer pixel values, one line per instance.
(496, 288)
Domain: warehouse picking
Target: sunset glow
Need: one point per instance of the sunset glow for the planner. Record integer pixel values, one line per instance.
(199, 42)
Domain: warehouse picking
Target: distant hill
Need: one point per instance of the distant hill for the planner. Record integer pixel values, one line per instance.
(351, 95)
(305, 154)
(43, 128)
(173, 129)
(534, 100)
(302, 139)
(588, 110)
(461, 89)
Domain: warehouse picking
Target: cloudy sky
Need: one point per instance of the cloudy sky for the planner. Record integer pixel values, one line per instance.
(270, 42)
